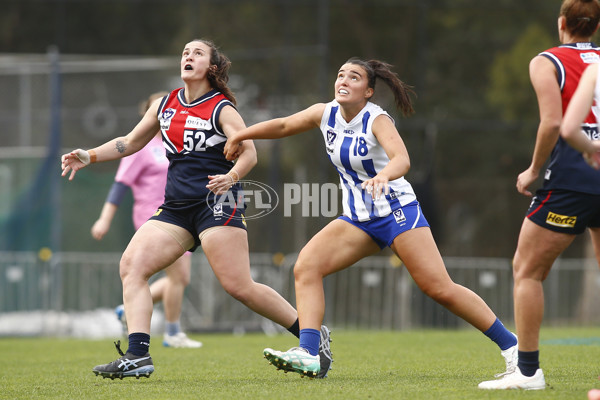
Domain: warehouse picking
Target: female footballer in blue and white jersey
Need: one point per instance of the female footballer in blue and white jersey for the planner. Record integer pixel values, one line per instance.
(355, 152)
(380, 209)
(569, 201)
(195, 122)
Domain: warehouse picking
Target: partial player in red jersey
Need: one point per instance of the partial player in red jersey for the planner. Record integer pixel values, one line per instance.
(569, 201)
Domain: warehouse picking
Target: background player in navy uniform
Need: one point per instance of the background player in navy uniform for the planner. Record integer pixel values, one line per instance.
(569, 200)
(195, 122)
(380, 209)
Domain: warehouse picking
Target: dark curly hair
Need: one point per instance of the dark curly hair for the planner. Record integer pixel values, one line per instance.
(219, 75)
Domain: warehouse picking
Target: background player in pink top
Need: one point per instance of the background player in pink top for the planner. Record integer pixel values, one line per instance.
(145, 173)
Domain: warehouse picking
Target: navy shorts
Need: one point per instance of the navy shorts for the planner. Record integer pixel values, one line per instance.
(385, 229)
(197, 216)
(565, 211)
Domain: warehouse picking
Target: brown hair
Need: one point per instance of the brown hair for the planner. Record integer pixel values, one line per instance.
(145, 105)
(379, 69)
(219, 75)
(582, 16)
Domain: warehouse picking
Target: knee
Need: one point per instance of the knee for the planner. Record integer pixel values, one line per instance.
(305, 269)
(128, 271)
(125, 267)
(442, 294)
(185, 279)
(182, 278)
(524, 269)
(237, 290)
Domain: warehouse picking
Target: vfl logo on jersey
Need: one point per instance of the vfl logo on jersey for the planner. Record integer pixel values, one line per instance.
(165, 118)
(331, 137)
(218, 210)
(562, 221)
(399, 216)
(197, 123)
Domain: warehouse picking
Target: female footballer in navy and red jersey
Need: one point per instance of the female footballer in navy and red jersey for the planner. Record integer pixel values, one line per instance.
(191, 133)
(569, 200)
(195, 122)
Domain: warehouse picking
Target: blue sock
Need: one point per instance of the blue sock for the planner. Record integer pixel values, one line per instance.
(139, 343)
(500, 335)
(529, 362)
(309, 340)
(173, 328)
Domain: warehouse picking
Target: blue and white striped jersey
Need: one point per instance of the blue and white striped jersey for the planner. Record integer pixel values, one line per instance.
(358, 156)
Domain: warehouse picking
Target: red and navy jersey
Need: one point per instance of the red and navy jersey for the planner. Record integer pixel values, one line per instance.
(194, 143)
(567, 169)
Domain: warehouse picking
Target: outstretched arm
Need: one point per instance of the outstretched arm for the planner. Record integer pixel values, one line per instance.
(116, 148)
(276, 128)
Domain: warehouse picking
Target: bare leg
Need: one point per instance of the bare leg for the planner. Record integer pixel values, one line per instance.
(227, 252)
(537, 250)
(157, 289)
(595, 235)
(142, 259)
(337, 246)
(419, 253)
(178, 277)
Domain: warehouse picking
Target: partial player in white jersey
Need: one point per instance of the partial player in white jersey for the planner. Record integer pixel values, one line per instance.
(380, 209)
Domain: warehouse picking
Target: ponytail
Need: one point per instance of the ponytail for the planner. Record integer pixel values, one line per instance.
(379, 69)
(582, 17)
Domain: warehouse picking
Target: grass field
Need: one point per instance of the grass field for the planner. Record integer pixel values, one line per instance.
(429, 364)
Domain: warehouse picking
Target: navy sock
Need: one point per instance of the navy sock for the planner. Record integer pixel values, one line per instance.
(309, 340)
(529, 362)
(295, 329)
(500, 335)
(139, 343)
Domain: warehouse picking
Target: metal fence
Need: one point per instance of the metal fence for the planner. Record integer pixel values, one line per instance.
(376, 293)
